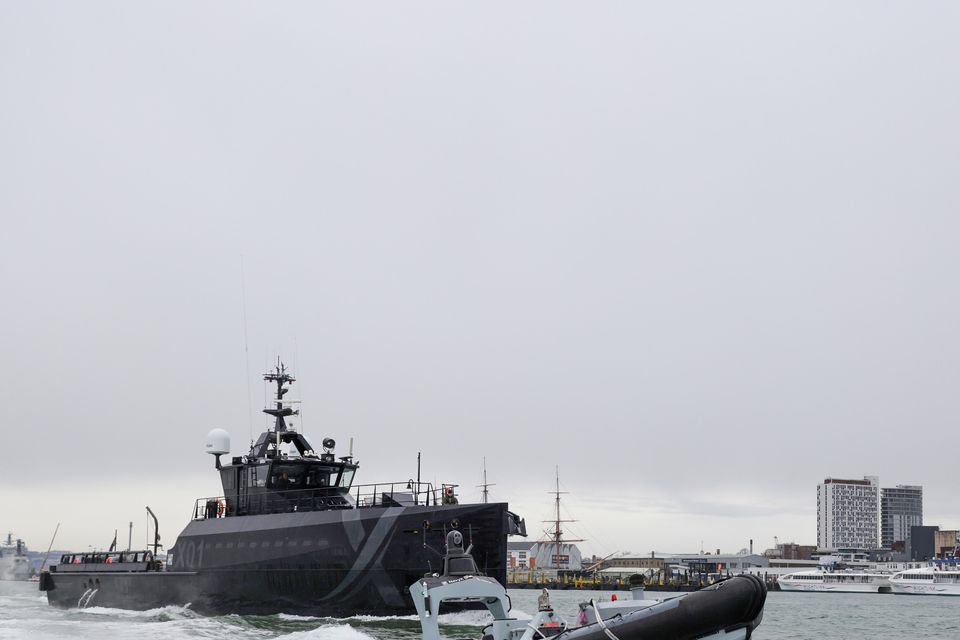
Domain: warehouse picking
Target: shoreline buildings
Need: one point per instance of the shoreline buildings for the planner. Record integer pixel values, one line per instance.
(901, 508)
(848, 513)
(860, 514)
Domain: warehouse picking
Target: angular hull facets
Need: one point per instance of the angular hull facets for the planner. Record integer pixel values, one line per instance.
(337, 562)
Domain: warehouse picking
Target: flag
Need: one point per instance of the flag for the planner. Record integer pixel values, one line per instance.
(113, 545)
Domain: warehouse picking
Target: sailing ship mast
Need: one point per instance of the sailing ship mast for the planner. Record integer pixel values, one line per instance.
(557, 533)
(485, 484)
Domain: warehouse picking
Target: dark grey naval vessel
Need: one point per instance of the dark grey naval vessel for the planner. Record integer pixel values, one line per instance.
(291, 534)
(14, 563)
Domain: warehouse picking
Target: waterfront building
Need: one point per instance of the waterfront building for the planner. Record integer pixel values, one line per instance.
(922, 543)
(848, 513)
(945, 542)
(544, 555)
(791, 551)
(718, 562)
(562, 557)
(636, 563)
(518, 555)
(901, 508)
(692, 562)
(849, 555)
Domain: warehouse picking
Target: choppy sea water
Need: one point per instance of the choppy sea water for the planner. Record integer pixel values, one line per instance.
(24, 614)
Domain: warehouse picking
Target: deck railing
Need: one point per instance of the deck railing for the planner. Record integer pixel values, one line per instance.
(391, 494)
(394, 494)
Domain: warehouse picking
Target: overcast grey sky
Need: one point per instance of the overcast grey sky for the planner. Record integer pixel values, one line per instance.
(699, 255)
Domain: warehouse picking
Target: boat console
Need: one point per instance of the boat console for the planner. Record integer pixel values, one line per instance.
(461, 582)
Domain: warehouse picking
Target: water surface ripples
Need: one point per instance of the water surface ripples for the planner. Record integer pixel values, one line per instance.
(25, 615)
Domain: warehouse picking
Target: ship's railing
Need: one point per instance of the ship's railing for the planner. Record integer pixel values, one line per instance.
(270, 502)
(391, 494)
(409, 493)
(107, 561)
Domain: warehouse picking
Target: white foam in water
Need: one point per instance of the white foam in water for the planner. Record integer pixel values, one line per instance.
(291, 616)
(171, 612)
(472, 618)
(365, 618)
(329, 632)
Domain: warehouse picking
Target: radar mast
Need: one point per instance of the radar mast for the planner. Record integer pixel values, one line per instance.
(280, 376)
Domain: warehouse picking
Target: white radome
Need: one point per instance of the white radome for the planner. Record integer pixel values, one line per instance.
(218, 442)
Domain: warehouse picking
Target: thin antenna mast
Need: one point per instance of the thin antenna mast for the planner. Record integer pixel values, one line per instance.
(246, 345)
(47, 554)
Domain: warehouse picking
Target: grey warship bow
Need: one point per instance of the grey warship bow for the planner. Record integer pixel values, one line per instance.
(14, 563)
(291, 534)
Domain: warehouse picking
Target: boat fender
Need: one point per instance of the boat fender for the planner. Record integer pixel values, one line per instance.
(46, 582)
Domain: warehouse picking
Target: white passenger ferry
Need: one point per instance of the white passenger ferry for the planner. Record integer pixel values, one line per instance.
(938, 580)
(844, 581)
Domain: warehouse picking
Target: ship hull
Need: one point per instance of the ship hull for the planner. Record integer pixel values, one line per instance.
(337, 563)
(836, 588)
(929, 589)
(15, 568)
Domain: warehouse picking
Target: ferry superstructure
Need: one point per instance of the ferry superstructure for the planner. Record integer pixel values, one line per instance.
(844, 581)
(937, 580)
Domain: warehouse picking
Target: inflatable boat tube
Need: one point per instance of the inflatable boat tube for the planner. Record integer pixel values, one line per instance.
(729, 606)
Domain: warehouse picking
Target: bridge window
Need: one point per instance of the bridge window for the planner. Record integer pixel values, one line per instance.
(346, 478)
(322, 476)
(258, 475)
(286, 476)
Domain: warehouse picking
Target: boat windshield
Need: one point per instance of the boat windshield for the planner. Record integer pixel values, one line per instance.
(309, 476)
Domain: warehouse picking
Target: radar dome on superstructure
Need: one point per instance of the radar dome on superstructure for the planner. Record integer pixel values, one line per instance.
(218, 442)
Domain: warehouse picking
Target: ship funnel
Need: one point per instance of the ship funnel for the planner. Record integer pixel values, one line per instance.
(218, 442)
